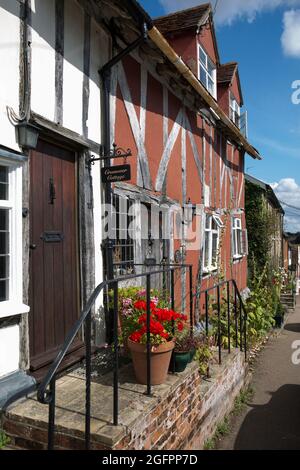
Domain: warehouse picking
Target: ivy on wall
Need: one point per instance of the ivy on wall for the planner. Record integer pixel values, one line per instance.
(261, 225)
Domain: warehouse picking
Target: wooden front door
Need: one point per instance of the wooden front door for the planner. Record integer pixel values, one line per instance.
(54, 285)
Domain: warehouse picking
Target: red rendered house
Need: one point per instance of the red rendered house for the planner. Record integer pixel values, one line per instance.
(190, 149)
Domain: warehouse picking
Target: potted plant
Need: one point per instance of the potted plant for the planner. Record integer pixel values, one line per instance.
(164, 325)
(182, 351)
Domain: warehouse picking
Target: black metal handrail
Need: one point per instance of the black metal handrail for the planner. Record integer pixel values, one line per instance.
(47, 389)
(240, 317)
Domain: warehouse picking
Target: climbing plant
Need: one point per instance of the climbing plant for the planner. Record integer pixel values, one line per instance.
(261, 225)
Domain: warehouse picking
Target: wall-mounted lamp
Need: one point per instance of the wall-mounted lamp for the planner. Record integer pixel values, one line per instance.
(27, 135)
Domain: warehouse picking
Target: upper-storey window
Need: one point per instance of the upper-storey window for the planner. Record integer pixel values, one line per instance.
(235, 111)
(207, 72)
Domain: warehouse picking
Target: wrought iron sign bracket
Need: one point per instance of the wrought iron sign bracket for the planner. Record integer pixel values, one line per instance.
(115, 152)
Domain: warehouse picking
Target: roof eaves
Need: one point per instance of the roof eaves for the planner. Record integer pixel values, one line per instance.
(161, 42)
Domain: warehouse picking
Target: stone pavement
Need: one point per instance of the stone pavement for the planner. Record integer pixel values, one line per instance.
(272, 419)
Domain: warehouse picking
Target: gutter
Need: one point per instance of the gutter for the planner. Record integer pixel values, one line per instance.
(184, 70)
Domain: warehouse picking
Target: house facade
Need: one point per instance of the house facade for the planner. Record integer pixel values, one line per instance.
(170, 102)
(271, 212)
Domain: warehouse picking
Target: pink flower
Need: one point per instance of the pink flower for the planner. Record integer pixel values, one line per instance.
(141, 293)
(126, 302)
(154, 300)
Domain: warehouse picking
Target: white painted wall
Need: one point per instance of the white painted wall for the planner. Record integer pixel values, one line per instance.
(95, 169)
(99, 55)
(43, 58)
(9, 349)
(9, 76)
(99, 313)
(73, 67)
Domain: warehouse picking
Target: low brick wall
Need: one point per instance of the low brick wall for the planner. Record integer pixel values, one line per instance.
(181, 414)
(188, 416)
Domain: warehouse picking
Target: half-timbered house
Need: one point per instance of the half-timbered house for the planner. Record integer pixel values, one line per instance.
(170, 101)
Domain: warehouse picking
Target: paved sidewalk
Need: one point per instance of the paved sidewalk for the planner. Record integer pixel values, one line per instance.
(272, 419)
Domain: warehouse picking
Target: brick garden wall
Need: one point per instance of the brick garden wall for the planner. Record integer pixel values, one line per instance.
(182, 414)
(188, 416)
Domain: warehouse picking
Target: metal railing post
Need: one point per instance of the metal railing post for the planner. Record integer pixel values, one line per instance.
(148, 293)
(191, 298)
(51, 415)
(206, 313)
(219, 324)
(236, 318)
(88, 359)
(116, 355)
(245, 333)
(228, 317)
(241, 325)
(173, 307)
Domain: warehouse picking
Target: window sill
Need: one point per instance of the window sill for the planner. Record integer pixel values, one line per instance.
(208, 271)
(10, 308)
(237, 257)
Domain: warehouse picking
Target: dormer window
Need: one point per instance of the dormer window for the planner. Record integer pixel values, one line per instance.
(207, 72)
(235, 111)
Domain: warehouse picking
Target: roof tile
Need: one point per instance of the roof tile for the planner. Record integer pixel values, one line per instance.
(182, 20)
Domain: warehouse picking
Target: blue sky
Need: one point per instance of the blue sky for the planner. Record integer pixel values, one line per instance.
(263, 36)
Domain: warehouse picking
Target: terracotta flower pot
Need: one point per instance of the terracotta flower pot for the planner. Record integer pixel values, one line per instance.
(160, 360)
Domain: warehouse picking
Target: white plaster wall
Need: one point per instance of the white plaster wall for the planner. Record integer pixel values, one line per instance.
(95, 169)
(43, 58)
(9, 76)
(99, 56)
(99, 312)
(73, 67)
(9, 349)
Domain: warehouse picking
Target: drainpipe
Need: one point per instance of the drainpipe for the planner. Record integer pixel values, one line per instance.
(105, 74)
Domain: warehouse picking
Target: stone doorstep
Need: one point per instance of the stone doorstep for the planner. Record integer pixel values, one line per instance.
(28, 419)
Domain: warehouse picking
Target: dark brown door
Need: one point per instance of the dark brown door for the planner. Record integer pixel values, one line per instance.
(54, 285)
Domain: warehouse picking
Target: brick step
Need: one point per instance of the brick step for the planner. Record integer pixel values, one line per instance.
(12, 447)
(29, 436)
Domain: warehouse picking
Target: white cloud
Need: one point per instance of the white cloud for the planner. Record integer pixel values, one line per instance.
(231, 10)
(290, 38)
(287, 190)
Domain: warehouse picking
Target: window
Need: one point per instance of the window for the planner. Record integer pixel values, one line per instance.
(207, 72)
(235, 111)
(237, 238)
(211, 242)
(11, 283)
(123, 237)
(5, 223)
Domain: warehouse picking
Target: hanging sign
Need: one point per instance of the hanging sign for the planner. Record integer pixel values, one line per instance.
(115, 174)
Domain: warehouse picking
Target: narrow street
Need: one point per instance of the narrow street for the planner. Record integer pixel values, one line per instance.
(272, 419)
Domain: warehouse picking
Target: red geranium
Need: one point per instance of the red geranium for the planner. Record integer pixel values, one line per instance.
(136, 336)
(142, 305)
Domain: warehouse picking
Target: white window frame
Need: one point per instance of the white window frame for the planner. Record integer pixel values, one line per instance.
(234, 110)
(204, 67)
(14, 305)
(210, 267)
(237, 251)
